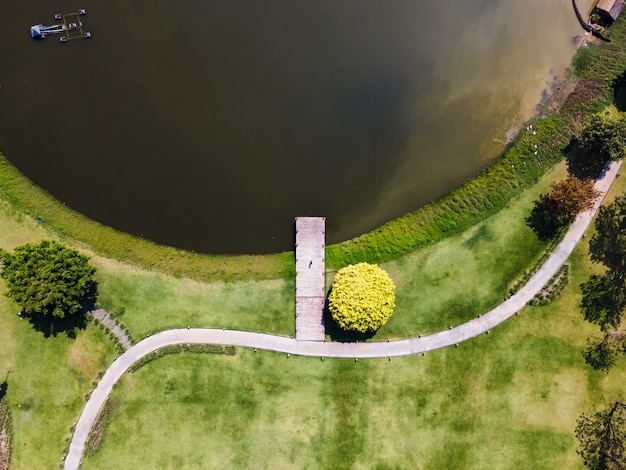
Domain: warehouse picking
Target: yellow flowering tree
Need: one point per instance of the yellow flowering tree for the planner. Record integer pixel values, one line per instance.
(362, 297)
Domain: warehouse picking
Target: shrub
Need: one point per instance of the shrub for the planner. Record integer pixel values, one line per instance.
(362, 298)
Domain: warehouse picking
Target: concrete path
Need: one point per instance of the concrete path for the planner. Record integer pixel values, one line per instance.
(405, 347)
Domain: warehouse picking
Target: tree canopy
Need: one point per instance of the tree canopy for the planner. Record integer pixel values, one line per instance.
(362, 298)
(48, 279)
(570, 197)
(602, 438)
(554, 211)
(604, 138)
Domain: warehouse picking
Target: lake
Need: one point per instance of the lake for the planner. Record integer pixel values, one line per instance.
(209, 125)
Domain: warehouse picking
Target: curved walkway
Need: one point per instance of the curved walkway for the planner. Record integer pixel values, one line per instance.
(282, 344)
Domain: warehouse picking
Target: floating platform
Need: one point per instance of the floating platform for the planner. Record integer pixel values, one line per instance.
(71, 28)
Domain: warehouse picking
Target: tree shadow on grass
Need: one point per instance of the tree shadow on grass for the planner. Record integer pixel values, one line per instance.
(52, 326)
(543, 222)
(3, 389)
(603, 300)
(340, 335)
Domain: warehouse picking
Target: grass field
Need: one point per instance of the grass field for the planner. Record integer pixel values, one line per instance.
(49, 379)
(147, 302)
(466, 275)
(508, 400)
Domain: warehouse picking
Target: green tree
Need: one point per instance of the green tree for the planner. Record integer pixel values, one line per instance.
(570, 197)
(362, 298)
(49, 279)
(602, 438)
(604, 138)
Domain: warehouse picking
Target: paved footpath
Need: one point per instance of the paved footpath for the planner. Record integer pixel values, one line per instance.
(282, 344)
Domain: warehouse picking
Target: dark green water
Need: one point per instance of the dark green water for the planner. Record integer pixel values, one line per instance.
(210, 125)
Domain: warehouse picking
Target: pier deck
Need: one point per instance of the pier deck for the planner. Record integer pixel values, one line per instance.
(310, 292)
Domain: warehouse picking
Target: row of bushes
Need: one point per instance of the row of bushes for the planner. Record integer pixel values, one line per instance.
(179, 348)
(553, 288)
(97, 431)
(6, 431)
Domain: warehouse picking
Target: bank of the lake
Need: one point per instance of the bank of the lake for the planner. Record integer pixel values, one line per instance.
(597, 68)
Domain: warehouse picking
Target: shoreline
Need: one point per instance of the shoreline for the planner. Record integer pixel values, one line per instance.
(475, 199)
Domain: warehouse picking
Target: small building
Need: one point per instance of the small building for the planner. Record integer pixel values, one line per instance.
(606, 11)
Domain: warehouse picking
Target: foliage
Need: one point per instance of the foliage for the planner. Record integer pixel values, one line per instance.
(602, 437)
(180, 348)
(570, 197)
(362, 298)
(603, 138)
(553, 288)
(555, 210)
(542, 221)
(6, 432)
(49, 279)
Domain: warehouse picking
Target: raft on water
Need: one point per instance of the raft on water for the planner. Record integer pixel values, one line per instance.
(71, 28)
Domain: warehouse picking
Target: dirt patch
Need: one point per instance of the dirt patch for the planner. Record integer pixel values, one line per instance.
(79, 359)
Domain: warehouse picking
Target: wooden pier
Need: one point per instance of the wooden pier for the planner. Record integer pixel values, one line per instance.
(310, 291)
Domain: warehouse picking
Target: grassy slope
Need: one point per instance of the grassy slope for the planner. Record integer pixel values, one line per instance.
(509, 400)
(147, 302)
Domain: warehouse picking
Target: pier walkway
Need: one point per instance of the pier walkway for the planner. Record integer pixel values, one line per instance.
(310, 292)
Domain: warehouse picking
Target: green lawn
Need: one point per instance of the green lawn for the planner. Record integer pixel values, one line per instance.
(47, 386)
(147, 302)
(508, 400)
